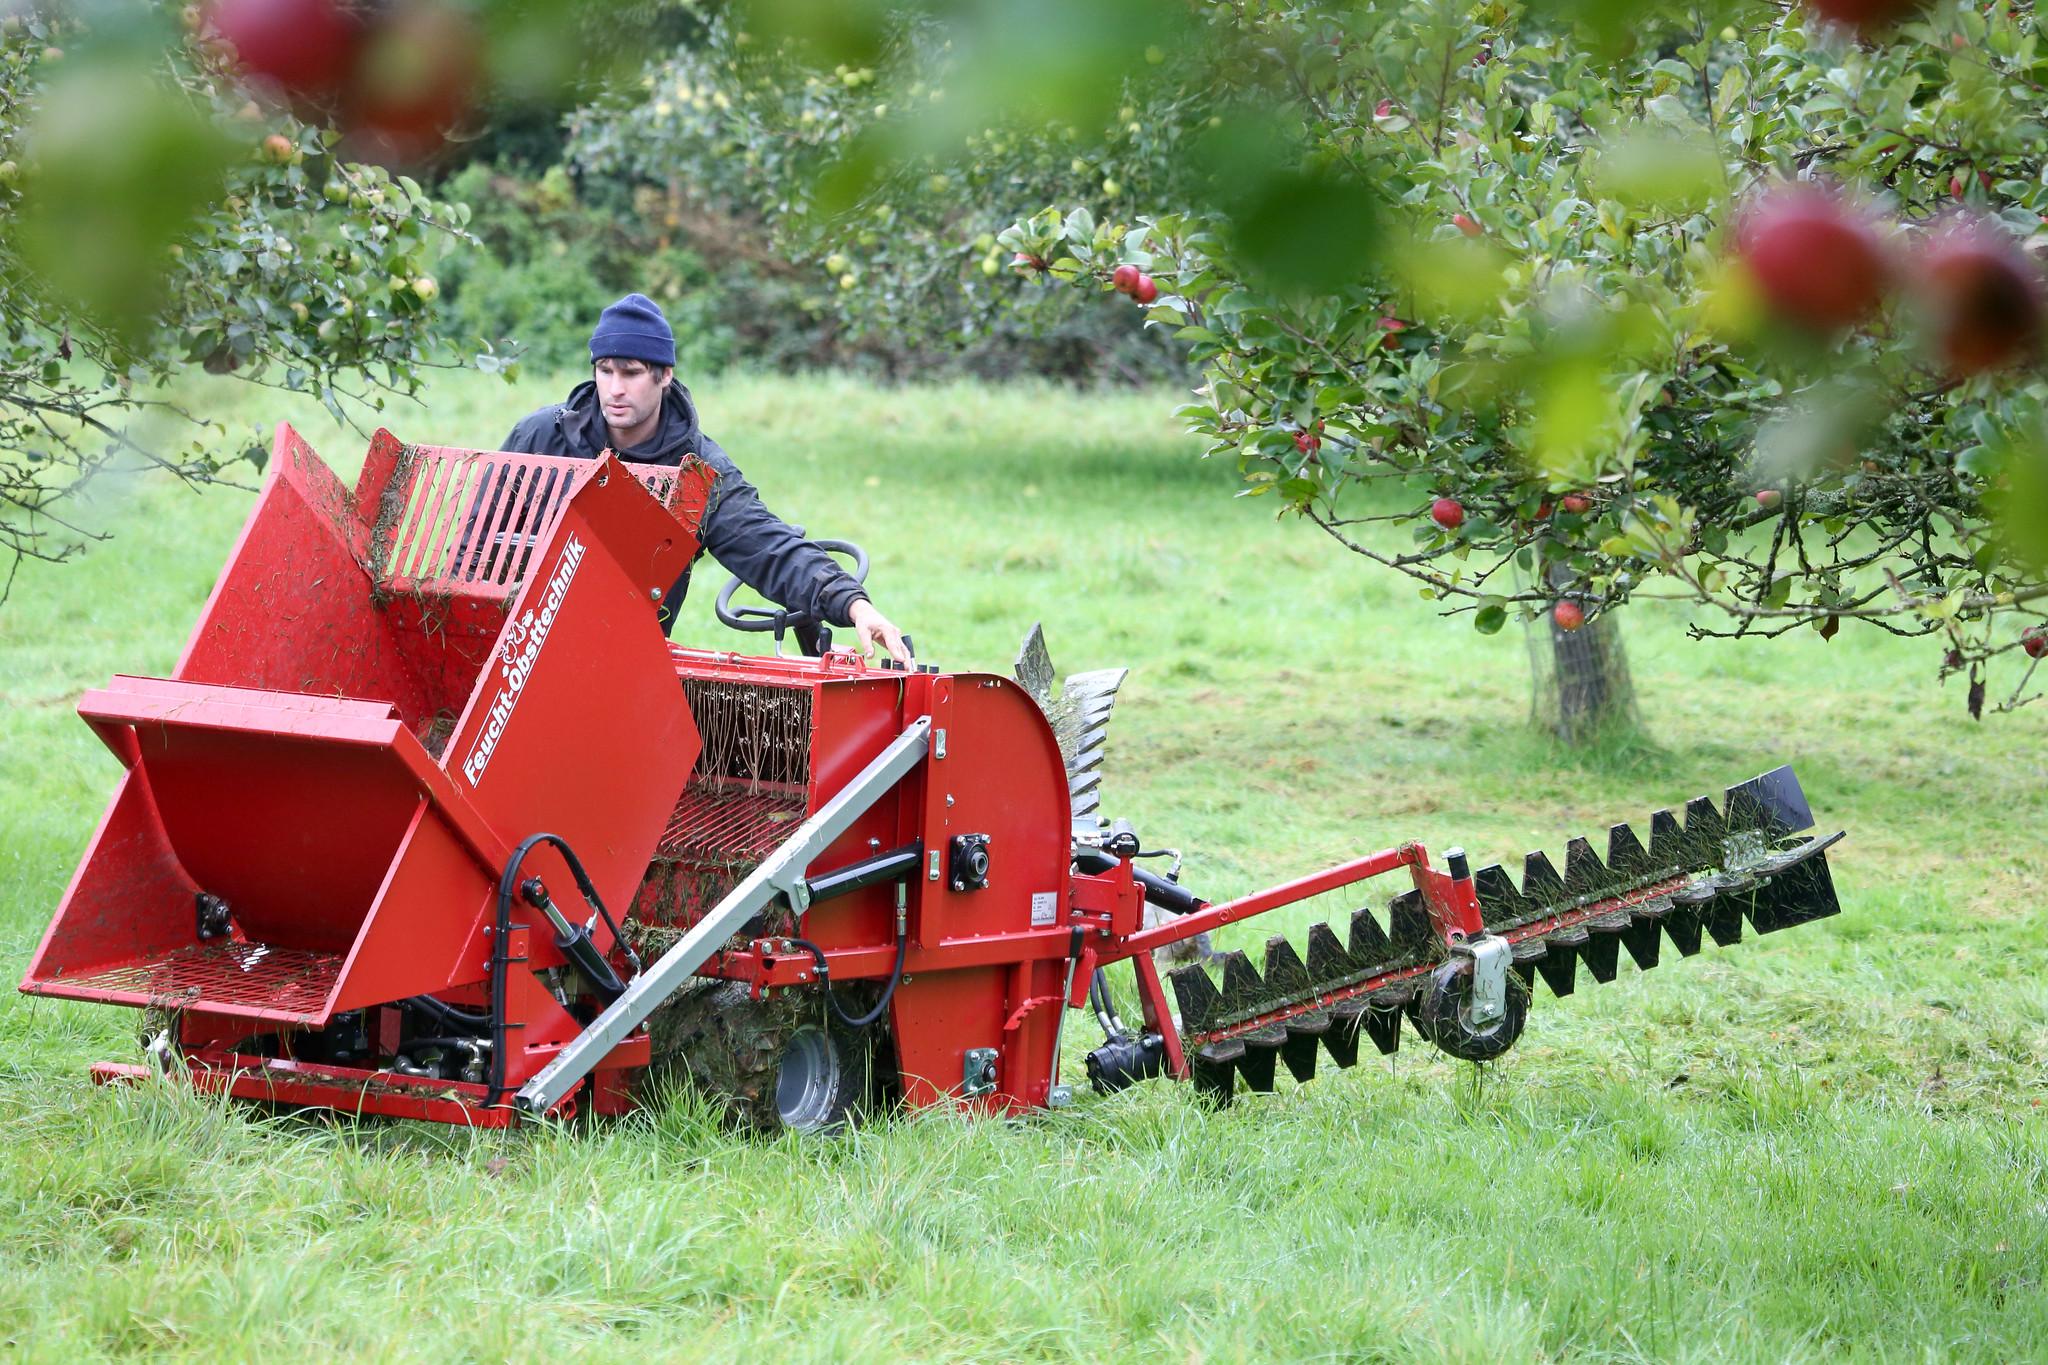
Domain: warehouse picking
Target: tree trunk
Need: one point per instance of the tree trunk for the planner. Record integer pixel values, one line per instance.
(1580, 677)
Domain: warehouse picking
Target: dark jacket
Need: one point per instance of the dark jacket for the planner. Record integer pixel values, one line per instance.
(738, 529)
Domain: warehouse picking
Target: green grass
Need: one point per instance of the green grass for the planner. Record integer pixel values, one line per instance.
(1823, 1143)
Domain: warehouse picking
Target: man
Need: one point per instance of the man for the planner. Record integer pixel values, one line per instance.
(634, 407)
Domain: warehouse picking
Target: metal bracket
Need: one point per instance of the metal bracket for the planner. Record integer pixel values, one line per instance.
(978, 1072)
(1490, 954)
(1743, 849)
(781, 873)
(1059, 1096)
(794, 884)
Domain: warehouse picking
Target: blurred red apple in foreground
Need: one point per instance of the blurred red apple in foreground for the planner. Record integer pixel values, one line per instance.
(304, 48)
(1983, 294)
(1815, 256)
(416, 81)
(1865, 16)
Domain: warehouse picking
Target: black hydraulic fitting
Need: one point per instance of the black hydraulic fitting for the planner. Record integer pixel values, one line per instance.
(1165, 894)
(1124, 1060)
(213, 918)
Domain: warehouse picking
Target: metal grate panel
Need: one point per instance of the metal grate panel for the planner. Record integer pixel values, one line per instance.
(474, 519)
(748, 793)
(278, 983)
(729, 826)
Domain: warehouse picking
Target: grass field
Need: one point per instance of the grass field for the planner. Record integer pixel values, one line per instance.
(1825, 1143)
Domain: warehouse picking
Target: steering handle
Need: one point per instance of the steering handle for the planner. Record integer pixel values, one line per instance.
(780, 619)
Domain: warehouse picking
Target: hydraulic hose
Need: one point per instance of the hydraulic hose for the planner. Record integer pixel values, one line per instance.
(1167, 895)
(447, 1013)
(851, 1022)
(1105, 1007)
(412, 1043)
(508, 884)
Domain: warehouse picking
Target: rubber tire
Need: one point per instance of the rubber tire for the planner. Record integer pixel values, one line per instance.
(1440, 1014)
(719, 1041)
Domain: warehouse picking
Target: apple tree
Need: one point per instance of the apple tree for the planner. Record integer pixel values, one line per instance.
(1735, 304)
(216, 185)
(887, 246)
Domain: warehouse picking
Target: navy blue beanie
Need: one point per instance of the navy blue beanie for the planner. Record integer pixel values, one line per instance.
(633, 329)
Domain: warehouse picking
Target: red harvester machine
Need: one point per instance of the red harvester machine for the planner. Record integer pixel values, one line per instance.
(428, 738)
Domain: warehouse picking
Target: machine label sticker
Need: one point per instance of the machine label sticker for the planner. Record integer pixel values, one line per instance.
(521, 652)
(1045, 908)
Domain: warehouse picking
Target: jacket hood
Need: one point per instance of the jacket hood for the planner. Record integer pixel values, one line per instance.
(583, 426)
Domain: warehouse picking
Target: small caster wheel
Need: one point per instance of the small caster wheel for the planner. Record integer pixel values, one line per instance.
(774, 1065)
(1443, 1014)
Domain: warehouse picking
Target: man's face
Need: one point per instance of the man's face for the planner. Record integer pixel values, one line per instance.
(630, 391)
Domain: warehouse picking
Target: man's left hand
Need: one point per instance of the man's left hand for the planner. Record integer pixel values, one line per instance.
(876, 629)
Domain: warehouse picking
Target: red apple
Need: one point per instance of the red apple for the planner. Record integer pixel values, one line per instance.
(1543, 510)
(1769, 498)
(1956, 188)
(278, 148)
(1864, 16)
(1448, 513)
(1578, 504)
(1125, 278)
(1816, 257)
(1984, 295)
(305, 48)
(2035, 642)
(1307, 442)
(416, 81)
(1145, 290)
(1466, 225)
(1568, 616)
(1383, 109)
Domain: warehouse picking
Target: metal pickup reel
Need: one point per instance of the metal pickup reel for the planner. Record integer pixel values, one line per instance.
(1079, 716)
(1694, 881)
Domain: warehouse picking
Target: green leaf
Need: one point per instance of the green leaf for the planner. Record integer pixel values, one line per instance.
(1980, 461)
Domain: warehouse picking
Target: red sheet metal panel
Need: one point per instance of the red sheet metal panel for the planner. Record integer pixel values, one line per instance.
(580, 728)
(287, 770)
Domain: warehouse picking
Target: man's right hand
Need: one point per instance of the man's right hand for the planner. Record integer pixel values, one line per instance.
(876, 629)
